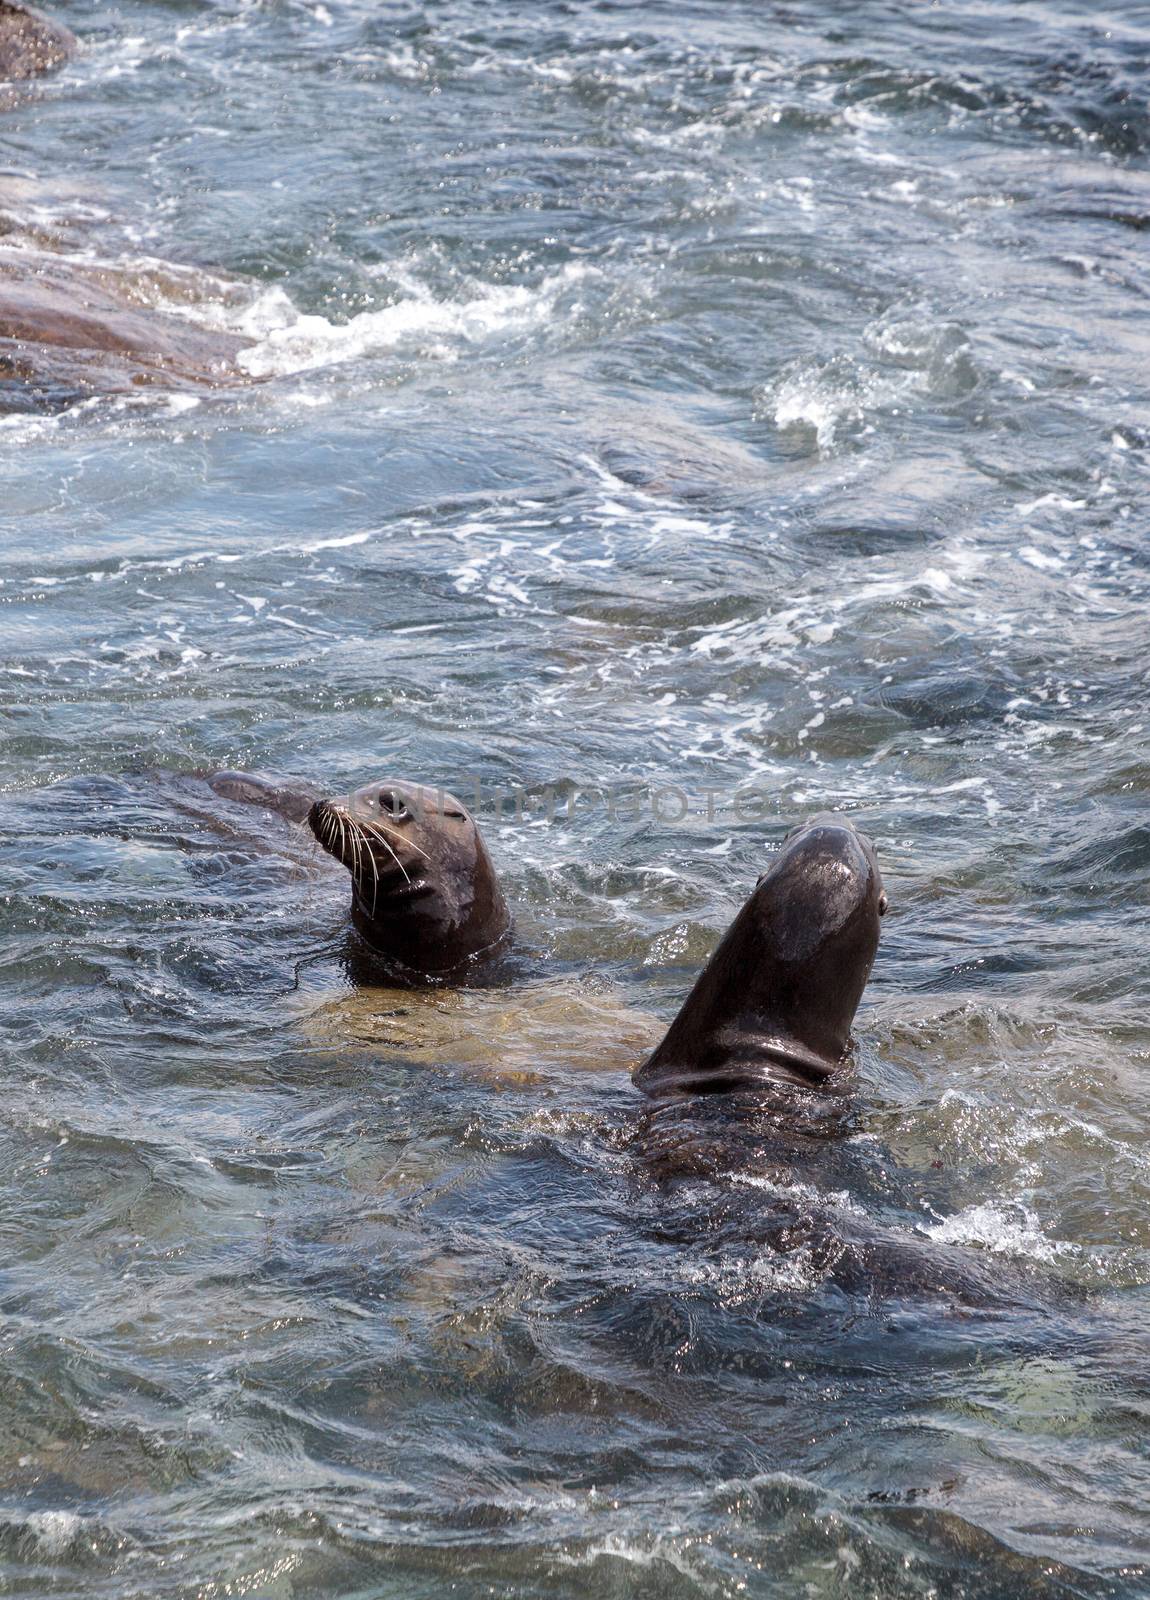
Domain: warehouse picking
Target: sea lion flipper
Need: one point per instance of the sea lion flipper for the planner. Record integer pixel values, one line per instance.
(292, 798)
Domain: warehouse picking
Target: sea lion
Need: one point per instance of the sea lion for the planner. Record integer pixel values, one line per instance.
(776, 1000)
(424, 891)
(31, 43)
(549, 1024)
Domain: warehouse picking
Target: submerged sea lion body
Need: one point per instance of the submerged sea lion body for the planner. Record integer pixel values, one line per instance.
(776, 1001)
(31, 43)
(287, 797)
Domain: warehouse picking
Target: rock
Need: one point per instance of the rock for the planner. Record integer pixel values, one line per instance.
(31, 43)
(68, 329)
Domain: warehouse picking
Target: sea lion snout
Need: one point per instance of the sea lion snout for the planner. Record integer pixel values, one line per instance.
(827, 869)
(820, 905)
(822, 819)
(377, 833)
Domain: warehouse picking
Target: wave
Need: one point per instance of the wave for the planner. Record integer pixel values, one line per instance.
(417, 324)
(1005, 1230)
(912, 360)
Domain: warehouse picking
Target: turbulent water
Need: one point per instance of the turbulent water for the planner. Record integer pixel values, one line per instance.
(683, 417)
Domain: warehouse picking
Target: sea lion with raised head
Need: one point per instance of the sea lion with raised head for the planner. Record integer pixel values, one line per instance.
(769, 1017)
(776, 1001)
(424, 891)
(31, 43)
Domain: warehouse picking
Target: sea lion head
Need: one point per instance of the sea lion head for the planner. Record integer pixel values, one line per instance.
(776, 1001)
(424, 891)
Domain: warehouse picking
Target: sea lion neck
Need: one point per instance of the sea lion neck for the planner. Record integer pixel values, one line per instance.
(776, 1001)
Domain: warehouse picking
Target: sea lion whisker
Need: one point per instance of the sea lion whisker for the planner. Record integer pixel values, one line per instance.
(366, 831)
(357, 851)
(347, 847)
(374, 873)
(369, 827)
(381, 827)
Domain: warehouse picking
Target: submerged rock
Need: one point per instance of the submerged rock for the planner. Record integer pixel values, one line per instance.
(70, 326)
(31, 43)
(70, 329)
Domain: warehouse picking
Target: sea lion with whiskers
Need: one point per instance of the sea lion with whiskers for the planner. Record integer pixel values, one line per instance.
(424, 892)
(775, 1003)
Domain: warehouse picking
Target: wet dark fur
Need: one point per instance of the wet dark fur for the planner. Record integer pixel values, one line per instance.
(777, 999)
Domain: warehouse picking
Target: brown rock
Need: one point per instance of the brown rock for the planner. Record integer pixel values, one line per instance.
(67, 327)
(31, 43)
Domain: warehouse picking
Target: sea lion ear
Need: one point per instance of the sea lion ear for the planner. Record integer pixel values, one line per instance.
(883, 904)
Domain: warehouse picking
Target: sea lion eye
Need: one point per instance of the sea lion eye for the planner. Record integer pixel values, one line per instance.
(394, 804)
(883, 904)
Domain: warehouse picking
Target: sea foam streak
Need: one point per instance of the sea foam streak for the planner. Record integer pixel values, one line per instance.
(417, 323)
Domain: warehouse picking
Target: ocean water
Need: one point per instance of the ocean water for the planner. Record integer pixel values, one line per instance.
(739, 408)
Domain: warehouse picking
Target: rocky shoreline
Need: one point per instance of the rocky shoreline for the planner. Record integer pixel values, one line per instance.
(70, 326)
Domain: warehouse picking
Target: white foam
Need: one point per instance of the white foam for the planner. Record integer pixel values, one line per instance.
(1040, 559)
(54, 1531)
(802, 402)
(994, 1228)
(666, 1551)
(329, 544)
(1061, 501)
(837, 1199)
(417, 323)
(737, 1276)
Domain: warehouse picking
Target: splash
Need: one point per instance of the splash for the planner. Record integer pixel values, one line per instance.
(996, 1228)
(417, 324)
